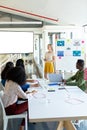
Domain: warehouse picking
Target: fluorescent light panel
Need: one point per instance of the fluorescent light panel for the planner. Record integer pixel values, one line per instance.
(30, 22)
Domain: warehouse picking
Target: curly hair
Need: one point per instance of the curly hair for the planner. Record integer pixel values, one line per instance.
(17, 74)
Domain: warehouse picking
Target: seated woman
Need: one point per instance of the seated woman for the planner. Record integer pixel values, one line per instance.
(20, 62)
(16, 77)
(7, 67)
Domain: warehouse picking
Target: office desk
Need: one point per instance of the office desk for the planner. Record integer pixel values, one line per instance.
(62, 105)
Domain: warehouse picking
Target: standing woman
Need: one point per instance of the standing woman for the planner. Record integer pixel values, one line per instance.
(49, 61)
(20, 63)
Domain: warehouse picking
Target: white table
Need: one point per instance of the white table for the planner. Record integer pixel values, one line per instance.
(62, 105)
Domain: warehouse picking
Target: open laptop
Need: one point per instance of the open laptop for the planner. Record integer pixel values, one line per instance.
(55, 78)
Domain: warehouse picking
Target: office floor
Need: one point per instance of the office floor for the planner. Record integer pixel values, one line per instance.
(44, 126)
(83, 125)
(53, 126)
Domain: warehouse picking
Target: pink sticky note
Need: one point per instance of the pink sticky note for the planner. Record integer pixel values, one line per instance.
(83, 41)
(59, 57)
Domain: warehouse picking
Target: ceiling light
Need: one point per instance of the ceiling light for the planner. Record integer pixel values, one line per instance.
(29, 22)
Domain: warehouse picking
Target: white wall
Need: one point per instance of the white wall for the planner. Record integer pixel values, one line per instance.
(78, 34)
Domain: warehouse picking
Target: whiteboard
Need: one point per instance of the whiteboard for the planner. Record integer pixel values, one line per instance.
(16, 42)
(68, 51)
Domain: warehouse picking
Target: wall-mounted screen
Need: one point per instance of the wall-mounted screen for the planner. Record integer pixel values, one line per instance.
(16, 42)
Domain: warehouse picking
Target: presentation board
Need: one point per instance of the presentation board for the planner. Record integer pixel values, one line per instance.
(68, 51)
(16, 42)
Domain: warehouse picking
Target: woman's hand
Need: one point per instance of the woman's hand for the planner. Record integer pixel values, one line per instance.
(30, 80)
(32, 92)
(34, 85)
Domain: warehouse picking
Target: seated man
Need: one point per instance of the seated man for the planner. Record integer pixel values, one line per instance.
(78, 78)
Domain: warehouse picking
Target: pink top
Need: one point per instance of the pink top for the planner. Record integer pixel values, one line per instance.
(85, 74)
(11, 93)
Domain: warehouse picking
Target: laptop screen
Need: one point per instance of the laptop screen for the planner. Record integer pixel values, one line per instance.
(55, 77)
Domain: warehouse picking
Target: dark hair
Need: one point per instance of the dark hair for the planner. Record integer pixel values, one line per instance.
(17, 74)
(80, 62)
(7, 67)
(20, 62)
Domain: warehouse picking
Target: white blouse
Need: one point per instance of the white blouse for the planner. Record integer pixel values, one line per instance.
(11, 93)
(49, 56)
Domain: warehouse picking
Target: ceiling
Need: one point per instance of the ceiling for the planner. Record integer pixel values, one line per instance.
(11, 20)
(59, 12)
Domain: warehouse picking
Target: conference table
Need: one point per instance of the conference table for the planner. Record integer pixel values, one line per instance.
(57, 103)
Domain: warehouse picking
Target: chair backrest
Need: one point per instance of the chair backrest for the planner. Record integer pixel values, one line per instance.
(2, 106)
(1, 86)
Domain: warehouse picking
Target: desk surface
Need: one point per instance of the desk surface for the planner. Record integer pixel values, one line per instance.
(63, 104)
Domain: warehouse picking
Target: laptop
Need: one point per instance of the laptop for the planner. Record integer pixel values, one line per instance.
(55, 78)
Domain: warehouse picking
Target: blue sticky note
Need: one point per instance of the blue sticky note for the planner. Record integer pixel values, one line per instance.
(76, 53)
(61, 43)
(60, 53)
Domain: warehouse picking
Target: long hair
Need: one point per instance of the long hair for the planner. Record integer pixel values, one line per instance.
(50, 46)
(20, 62)
(7, 67)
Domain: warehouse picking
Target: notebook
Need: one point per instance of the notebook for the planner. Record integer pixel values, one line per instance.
(55, 78)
